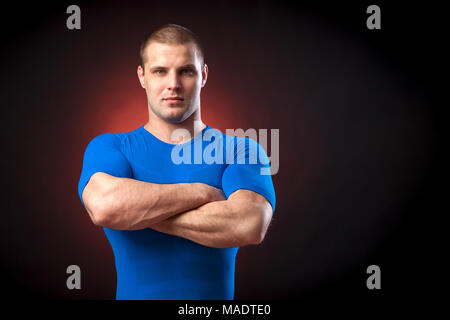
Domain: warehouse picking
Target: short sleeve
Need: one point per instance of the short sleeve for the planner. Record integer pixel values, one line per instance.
(103, 154)
(248, 168)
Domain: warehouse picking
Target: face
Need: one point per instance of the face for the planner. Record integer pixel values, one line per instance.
(173, 78)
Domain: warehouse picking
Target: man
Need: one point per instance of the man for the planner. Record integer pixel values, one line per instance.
(175, 227)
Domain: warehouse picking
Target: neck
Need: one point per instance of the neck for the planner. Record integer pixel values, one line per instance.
(165, 131)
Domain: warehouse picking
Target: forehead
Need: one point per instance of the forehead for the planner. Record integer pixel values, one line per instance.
(171, 54)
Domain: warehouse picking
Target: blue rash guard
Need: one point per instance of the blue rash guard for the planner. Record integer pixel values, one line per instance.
(154, 265)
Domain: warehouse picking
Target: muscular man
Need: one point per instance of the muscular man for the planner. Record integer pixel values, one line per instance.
(174, 225)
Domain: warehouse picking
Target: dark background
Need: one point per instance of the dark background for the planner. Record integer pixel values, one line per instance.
(358, 112)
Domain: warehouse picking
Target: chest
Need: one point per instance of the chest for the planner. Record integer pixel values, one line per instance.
(160, 167)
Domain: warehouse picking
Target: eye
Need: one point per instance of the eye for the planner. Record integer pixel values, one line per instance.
(187, 71)
(160, 71)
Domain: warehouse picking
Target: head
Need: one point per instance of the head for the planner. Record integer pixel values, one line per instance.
(172, 66)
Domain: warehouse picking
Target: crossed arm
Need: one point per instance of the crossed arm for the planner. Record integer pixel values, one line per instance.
(194, 211)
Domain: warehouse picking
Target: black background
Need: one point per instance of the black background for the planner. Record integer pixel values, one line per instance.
(359, 115)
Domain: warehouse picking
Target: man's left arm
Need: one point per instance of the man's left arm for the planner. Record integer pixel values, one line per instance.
(240, 220)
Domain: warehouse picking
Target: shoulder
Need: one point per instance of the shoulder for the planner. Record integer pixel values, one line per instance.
(106, 139)
(112, 140)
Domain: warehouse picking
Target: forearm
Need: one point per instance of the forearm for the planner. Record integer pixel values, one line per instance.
(220, 224)
(128, 204)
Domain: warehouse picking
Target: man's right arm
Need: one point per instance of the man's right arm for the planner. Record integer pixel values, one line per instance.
(129, 204)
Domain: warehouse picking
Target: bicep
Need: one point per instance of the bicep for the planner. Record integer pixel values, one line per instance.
(93, 193)
(102, 155)
(248, 197)
(255, 208)
(249, 175)
(251, 197)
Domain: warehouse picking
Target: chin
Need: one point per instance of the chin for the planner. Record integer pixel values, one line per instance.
(178, 116)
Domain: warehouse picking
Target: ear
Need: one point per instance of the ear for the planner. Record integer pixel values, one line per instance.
(204, 75)
(140, 74)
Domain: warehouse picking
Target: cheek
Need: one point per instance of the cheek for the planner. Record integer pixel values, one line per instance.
(193, 86)
(154, 90)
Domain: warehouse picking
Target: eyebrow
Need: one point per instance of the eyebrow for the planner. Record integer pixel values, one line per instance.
(190, 65)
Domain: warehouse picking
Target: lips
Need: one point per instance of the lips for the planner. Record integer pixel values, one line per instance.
(174, 101)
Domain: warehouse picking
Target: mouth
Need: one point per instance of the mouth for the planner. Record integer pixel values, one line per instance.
(173, 100)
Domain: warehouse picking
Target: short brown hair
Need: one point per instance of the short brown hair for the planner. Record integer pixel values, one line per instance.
(171, 34)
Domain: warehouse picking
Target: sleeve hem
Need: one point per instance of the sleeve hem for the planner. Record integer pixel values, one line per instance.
(260, 191)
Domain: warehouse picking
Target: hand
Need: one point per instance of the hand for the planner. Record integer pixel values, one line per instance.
(213, 194)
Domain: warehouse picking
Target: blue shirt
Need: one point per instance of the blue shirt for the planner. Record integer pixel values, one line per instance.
(155, 265)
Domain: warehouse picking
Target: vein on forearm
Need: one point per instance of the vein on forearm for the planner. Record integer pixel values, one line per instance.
(128, 204)
(225, 223)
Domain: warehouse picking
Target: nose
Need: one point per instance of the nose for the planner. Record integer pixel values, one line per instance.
(174, 81)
